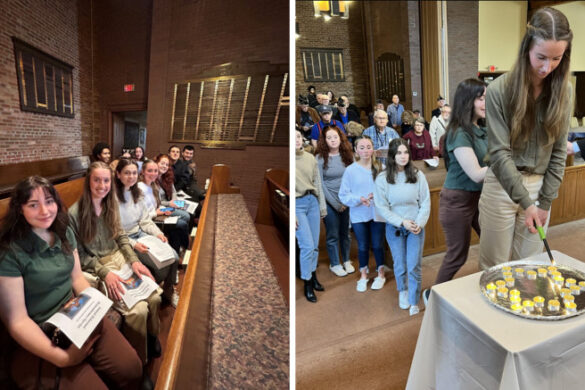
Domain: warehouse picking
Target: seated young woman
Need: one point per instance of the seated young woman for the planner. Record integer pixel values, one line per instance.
(178, 233)
(104, 247)
(167, 191)
(39, 273)
(134, 216)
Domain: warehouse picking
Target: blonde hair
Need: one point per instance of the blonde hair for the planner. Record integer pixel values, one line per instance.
(545, 24)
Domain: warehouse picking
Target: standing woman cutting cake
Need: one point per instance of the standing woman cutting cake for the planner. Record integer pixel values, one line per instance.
(527, 113)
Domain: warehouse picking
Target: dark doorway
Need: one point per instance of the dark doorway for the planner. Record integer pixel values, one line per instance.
(129, 131)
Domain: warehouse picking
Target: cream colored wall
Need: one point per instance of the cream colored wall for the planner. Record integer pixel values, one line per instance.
(575, 12)
(501, 27)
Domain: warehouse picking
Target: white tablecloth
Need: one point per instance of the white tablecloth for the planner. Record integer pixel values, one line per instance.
(466, 343)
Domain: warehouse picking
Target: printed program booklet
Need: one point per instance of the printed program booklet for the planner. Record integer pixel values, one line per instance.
(136, 289)
(160, 252)
(80, 315)
(187, 205)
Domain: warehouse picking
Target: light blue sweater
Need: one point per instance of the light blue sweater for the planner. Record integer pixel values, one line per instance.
(400, 201)
(356, 182)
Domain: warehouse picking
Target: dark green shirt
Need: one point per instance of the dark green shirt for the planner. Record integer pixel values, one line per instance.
(46, 272)
(102, 245)
(456, 178)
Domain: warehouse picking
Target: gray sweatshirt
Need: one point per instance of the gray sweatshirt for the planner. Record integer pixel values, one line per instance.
(331, 179)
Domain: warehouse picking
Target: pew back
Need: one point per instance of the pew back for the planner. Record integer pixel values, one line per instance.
(56, 171)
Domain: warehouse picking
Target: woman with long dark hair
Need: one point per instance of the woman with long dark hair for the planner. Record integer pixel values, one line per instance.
(136, 222)
(465, 148)
(39, 272)
(527, 113)
(333, 156)
(104, 248)
(403, 199)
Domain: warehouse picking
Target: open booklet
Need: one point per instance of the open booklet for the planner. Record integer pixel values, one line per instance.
(187, 205)
(159, 252)
(78, 318)
(136, 289)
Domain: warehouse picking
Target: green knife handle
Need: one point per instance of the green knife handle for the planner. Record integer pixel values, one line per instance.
(541, 232)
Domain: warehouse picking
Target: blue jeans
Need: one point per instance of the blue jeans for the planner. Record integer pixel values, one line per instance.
(337, 234)
(366, 232)
(307, 233)
(407, 249)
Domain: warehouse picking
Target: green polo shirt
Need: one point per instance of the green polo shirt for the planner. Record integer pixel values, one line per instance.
(456, 178)
(46, 272)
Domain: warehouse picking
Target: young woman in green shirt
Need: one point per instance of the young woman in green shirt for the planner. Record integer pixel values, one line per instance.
(527, 112)
(39, 273)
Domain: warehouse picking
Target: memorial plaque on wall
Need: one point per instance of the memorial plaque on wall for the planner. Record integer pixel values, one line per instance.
(45, 83)
(232, 110)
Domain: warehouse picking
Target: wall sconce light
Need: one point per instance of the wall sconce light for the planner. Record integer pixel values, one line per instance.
(327, 9)
(297, 30)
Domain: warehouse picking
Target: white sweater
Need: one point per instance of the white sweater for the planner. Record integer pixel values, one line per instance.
(135, 217)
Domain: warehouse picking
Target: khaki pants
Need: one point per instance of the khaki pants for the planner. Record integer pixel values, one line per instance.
(143, 318)
(504, 237)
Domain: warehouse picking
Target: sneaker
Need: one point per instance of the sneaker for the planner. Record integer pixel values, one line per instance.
(349, 267)
(362, 285)
(414, 310)
(403, 299)
(425, 295)
(378, 283)
(338, 270)
(173, 299)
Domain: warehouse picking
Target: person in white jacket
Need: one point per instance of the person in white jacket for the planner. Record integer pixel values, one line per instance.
(438, 127)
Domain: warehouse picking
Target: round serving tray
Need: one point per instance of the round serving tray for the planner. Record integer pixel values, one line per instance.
(530, 288)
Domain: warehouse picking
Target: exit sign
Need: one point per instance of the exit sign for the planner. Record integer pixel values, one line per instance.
(129, 87)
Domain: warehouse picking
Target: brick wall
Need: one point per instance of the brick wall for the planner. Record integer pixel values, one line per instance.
(191, 38)
(462, 20)
(51, 26)
(338, 33)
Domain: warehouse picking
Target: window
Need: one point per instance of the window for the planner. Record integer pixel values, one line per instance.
(44, 82)
(232, 110)
(323, 64)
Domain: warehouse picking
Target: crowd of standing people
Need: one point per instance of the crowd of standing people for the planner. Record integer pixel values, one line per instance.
(504, 147)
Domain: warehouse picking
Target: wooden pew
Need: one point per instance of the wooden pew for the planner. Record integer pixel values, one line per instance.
(272, 223)
(188, 360)
(194, 305)
(56, 171)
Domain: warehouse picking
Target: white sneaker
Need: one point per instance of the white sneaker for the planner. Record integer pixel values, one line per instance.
(378, 283)
(403, 299)
(338, 270)
(362, 285)
(414, 310)
(349, 267)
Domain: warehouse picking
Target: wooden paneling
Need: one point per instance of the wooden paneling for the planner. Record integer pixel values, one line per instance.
(570, 204)
(430, 54)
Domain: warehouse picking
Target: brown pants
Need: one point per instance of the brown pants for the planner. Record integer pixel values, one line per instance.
(458, 213)
(113, 364)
